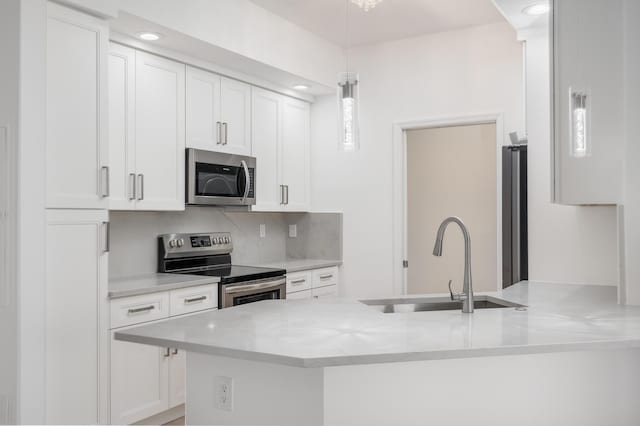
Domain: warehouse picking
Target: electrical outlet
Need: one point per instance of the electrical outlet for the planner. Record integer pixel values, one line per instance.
(293, 231)
(223, 393)
(263, 230)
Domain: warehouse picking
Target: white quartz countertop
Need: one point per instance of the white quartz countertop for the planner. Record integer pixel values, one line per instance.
(297, 265)
(332, 332)
(153, 283)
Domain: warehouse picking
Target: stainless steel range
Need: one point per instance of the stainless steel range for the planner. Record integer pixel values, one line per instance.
(210, 254)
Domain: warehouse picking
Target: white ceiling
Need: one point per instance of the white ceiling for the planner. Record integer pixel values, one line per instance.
(512, 10)
(390, 20)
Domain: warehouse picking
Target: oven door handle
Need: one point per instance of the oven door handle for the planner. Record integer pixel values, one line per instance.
(249, 287)
(247, 181)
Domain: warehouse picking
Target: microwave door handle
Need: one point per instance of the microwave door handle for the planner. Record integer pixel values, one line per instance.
(247, 181)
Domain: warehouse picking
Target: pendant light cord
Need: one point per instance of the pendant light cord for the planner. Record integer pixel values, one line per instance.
(346, 34)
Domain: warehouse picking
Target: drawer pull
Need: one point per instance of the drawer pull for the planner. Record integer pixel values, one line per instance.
(326, 277)
(167, 352)
(174, 352)
(294, 282)
(140, 310)
(195, 299)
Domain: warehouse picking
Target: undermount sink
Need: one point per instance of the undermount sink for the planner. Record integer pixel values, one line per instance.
(425, 304)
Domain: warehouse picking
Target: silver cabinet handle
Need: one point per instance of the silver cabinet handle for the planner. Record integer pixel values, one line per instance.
(140, 187)
(107, 237)
(104, 182)
(167, 352)
(294, 282)
(174, 351)
(132, 186)
(326, 277)
(226, 133)
(286, 187)
(281, 195)
(140, 310)
(195, 299)
(247, 180)
(218, 133)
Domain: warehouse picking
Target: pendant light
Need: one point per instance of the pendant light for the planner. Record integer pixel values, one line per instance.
(348, 101)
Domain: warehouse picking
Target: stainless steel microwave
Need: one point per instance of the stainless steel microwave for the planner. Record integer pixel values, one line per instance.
(220, 179)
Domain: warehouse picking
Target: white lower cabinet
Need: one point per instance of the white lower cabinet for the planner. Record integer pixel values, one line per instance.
(76, 316)
(139, 381)
(315, 283)
(147, 380)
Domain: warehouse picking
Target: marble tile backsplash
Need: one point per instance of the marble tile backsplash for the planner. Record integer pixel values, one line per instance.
(134, 246)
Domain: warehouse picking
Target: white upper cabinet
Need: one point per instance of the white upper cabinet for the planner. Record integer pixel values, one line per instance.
(77, 148)
(122, 71)
(146, 131)
(267, 132)
(218, 113)
(587, 101)
(235, 110)
(160, 137)
(280, 127)
(204, 125)
(295, 154)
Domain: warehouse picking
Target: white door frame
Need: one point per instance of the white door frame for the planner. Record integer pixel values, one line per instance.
(400, 128)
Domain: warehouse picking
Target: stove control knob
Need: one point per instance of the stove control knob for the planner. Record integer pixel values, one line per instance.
(215, 240)
(226, 240)
(172, 243)
(180, 242)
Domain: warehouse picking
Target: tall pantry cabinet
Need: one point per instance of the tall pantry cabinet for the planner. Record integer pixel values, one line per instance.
(77, 182)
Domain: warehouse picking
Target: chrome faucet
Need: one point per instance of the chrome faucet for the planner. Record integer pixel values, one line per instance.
(467, 289)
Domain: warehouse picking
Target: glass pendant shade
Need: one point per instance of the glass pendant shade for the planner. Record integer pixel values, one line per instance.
(348, 112)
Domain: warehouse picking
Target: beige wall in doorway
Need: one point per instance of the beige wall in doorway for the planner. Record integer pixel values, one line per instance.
(451, 171)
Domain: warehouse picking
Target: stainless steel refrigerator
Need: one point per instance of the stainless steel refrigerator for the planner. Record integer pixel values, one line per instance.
(515, 242)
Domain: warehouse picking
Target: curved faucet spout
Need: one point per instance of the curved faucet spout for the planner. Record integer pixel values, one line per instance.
(467, 288)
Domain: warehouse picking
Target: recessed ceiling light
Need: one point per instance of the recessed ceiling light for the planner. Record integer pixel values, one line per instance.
(301, 87)
(147, 36)
(536, 9)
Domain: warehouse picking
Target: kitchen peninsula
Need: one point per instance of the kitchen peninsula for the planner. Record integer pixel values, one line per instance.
(342, 362)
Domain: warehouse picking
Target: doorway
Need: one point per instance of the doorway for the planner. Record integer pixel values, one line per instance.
(451, 171)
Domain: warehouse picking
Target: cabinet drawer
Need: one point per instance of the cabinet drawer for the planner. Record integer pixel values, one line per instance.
(324, 277)
(138, 309)
(328, 291)
(298, 281)
(305, 294)
(193, 299)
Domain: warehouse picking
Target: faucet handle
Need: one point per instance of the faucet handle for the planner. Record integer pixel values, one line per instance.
(456, 296)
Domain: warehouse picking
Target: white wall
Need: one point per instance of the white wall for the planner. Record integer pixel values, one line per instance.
(9, 72)
(244, 28)
(566, 243)
(476, 70)
(31, 212)
(632, 119)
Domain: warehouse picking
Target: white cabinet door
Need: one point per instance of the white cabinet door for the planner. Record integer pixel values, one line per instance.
(139, 381)
(204, 124)
(235, 110)
(122, 127)
(295, 154)
(177, 377)
(267, 131)
(588, 62)
(329, 291)
(76, 294)
(160, 133)
(77, 152)
(304, 294)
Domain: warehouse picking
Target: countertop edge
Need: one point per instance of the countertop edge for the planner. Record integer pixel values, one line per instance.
(345, 361)
(119, 294)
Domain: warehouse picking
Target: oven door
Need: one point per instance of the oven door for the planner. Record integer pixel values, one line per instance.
(252, 291)
(215, 178)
